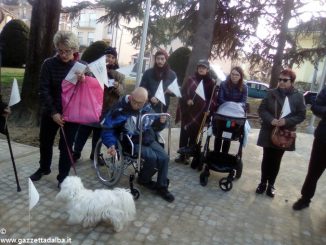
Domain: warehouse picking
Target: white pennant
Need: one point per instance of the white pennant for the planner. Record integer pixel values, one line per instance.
(200, 90)
(174, 88)
(98, 68)
(286, 110)
(15, 95)
(160, 93)
(33, 194)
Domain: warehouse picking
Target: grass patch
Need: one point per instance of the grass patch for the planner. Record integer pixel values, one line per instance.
(8, 74)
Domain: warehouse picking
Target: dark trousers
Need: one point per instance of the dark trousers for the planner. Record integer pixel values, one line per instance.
(82, 135)
(270, 164)
(48, 131)
(66, 141)
(316, 168)
(155, 160)
(188, 135)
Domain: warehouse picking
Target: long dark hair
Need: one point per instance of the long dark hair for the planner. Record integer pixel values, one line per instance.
(240, 83)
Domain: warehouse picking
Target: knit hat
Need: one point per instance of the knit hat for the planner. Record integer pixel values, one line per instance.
(162, 52)
(112, 51)
(203, 62)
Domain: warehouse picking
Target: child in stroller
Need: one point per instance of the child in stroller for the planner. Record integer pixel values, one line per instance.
(226, 125)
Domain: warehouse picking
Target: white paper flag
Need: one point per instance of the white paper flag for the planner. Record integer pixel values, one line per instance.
(160, 93)
(77, 68)
(111, 83)
(15, 95)
(98, 68)
(33, 194)
(200, 90)
(174, 88)
(286, 110)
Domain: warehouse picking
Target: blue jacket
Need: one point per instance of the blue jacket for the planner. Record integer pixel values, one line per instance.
(123, 119)
(319, 109)
(232, 93)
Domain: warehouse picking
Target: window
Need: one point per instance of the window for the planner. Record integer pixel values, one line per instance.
(90, 38)
(80, 38)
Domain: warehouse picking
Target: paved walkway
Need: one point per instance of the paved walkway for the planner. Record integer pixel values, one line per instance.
(199, 215)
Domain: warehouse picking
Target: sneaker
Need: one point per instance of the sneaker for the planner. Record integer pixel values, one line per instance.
(151, 185)
(76, 156)
(38, 174)
(261, 188)
(165, 194)
(301, 204)
(270, 191)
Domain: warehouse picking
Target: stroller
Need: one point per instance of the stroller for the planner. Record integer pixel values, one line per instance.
(228, 125)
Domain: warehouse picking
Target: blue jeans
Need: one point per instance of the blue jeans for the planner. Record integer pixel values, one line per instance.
(155, 160)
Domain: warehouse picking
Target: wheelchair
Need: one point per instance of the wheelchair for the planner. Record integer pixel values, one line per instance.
(109, 170)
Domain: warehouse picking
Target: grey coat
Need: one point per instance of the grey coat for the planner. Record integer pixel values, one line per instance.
(266, 112)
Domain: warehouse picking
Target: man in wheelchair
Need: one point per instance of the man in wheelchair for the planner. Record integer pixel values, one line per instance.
(125, 117)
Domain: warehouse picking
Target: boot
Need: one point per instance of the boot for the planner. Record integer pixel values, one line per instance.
(270, 191)
(301, 204)
(261, 188)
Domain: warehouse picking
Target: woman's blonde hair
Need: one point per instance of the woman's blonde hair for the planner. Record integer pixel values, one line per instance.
(67, 39)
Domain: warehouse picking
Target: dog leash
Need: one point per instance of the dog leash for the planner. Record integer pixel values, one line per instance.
(72, 162)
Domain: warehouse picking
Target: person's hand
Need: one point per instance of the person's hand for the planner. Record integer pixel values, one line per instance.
(6, 112)
(111, 150)
(168, 91)
(80, 76)
(274, 122)
(281, 122)
(116, 84)
(154, 100)
(190, 102)
(57, 118)
(162, 119)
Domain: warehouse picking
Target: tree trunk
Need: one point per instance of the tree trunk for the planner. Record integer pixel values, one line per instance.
(44, 24)
(278, 58)
(204, 35)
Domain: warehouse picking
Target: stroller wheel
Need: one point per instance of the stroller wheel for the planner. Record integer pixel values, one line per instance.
(135, 193)
(225, 184)
(238, 169)
(203, 179)
(195, 162)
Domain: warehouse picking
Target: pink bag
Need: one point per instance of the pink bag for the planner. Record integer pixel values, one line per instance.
(82, 102)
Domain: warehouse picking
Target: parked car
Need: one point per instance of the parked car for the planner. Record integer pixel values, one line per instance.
(257, 89)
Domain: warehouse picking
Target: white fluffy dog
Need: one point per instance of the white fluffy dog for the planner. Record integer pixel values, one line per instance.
(89, 207)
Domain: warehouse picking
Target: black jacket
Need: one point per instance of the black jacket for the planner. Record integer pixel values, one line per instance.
(53, 71)
(319, 109)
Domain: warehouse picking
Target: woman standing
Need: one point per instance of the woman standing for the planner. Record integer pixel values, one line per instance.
(233, 89)
(269, 111)
(53, 72)
(192, 106)
(110, 98)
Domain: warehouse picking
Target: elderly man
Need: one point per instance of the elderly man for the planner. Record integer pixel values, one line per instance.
(152, 78)
(155, 158)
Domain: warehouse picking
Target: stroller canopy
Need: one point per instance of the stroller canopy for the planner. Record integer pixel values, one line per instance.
(231, 109)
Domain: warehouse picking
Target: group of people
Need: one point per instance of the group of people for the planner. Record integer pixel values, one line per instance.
(119, 113)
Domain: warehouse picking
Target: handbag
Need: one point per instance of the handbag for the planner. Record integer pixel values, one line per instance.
(82, 102)
(282, 138)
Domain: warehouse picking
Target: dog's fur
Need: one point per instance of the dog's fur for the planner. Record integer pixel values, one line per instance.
(89, 207)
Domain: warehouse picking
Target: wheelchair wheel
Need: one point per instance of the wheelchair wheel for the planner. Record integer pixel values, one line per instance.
(110, 172)
(225, 184)
(135, 193)
(238, 169)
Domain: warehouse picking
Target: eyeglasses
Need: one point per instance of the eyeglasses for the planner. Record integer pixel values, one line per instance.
(137, 103)
(283, 80)
(64, 52)
(235, 74)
